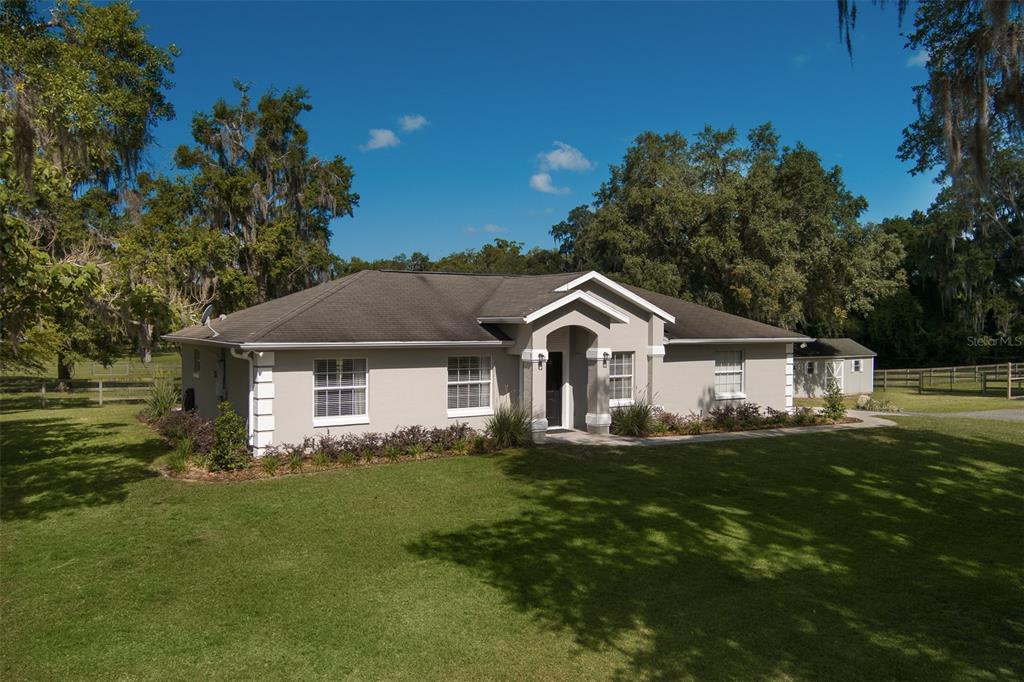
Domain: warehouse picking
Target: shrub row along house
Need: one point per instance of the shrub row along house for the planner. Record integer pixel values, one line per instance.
(378, 349)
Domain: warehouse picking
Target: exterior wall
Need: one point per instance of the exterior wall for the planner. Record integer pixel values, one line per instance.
(688, 376)
(404, 388)
(209, 387)
(854, 383)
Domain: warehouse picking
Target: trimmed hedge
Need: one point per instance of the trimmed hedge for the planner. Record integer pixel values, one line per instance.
(732, 417)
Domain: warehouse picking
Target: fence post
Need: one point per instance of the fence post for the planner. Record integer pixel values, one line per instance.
(920, 383)
(984, 390)
(885, 380)
(1009, 383)
(42, 393)
(101, 392)
(952, 378)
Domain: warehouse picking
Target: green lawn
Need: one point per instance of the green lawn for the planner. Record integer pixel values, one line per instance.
(883, 554)
(932, 401)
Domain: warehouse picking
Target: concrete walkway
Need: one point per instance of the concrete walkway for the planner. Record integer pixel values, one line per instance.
(868, 421)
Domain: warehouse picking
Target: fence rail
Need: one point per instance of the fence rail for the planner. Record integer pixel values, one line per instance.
(1001, 379)
(98, 391)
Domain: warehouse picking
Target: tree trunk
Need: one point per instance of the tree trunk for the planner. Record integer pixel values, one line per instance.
(145, 337)
(65, 372)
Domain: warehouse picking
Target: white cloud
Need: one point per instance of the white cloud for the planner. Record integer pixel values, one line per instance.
(411, 122)
(381, 138)
(919, 59)
(542, 183)
(564, 157)
(489, 228)
(799, 59)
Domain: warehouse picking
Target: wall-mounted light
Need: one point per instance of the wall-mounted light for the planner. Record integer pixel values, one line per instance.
(607, 356)
(540, 360)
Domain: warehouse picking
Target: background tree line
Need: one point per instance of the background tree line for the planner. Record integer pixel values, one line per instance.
(99, 255)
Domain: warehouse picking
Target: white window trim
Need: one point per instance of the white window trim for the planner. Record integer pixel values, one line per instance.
(342, 420)
(623, 402)
(734, 395)
(455, 413)
(857, 365)
(810, 365)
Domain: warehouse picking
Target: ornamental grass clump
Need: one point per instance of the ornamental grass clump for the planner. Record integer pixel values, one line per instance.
(634, 420)
(177, 460)
(162, 398)
(509, 427)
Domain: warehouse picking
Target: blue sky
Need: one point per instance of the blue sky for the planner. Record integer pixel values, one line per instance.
(501, 85)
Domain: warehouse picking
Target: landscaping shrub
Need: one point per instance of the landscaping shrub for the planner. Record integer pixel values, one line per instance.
(633, 420)
(178, 425)
(835, 408)
(666, 422)
(509, 427)
(724, 417)
(230, 449)
(270, 463)
(873, 404)
(162, 398)
(177, 461)
(803, 416)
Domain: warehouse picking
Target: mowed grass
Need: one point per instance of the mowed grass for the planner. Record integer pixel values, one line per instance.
(934, 401)
(877, 554)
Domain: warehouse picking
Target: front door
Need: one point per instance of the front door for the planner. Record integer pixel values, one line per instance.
(554, 389)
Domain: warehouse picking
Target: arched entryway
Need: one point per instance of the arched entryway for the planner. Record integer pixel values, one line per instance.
(567, 376)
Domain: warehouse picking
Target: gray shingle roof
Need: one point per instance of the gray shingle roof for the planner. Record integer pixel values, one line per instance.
(382, 306)
(833, 348)
(695, 321)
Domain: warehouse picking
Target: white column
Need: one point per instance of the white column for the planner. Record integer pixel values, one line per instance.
(263, 402)
(534, 391)
(789, 378)
(599, 416)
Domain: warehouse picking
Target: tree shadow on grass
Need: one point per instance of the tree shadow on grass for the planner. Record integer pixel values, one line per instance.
(867, 555)
(54, 464)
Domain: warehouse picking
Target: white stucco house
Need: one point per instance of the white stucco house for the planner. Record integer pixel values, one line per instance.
(842, 360)
(377, 350)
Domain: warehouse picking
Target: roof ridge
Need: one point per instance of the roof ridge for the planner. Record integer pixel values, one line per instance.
(277, 322)
(471, 274)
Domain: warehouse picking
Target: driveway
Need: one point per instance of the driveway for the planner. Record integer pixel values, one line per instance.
(1014, 415)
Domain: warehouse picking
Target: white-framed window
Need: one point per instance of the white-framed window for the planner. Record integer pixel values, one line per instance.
(469, 386)
(858, 365)
(340, 392)
(729, 374)
(196, 365)
(809, 368)
(620, 379)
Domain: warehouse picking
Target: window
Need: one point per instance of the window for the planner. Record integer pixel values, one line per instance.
(729, 374)
(858, 366)
(809, 369)
(339, 392)
(469, 386)
(620, 379)
(195, 363)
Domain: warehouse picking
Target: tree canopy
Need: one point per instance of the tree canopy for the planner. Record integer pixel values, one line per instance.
(757, 230)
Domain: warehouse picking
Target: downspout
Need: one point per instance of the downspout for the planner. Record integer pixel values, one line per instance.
(247, 355)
